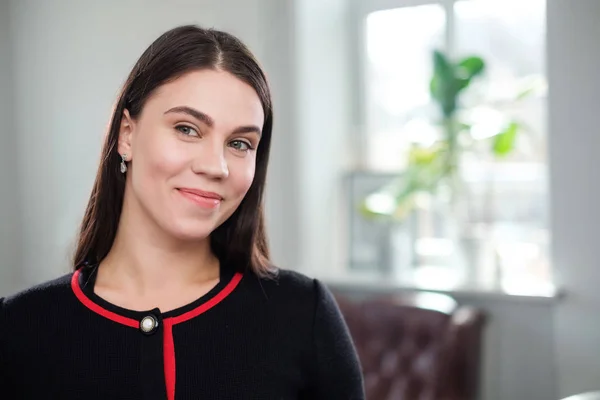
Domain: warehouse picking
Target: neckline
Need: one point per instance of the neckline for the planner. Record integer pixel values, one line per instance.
(84, 280)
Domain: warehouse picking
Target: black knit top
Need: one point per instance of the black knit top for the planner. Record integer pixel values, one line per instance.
(248, 338)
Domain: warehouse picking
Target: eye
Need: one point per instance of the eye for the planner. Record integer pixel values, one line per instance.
(241, 145)
(186, 130)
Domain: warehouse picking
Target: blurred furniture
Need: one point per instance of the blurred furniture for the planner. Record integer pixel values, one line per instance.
(585, 396)
(419, 346)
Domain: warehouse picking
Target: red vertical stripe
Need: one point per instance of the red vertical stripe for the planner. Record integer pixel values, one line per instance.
(168, 343)
(169, 358)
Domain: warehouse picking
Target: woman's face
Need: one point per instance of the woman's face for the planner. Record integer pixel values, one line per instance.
(192, 152)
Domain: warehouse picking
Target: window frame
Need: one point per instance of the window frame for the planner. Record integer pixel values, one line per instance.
(359, 10)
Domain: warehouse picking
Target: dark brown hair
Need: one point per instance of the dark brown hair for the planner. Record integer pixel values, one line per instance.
(241, 240)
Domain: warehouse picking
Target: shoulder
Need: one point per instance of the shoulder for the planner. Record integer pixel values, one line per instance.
(291, 280)
(33, 309)
(294, 285)
(38, 297)
(293, 292)
(335, 367)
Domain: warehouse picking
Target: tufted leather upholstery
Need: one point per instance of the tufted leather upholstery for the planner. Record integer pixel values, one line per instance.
(416, 347)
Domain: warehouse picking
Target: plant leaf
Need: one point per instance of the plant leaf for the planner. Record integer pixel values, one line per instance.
(443, 83)
(462, 83)
(470, 67)
(466, 70)
(525, 93)
(442, 75)
(504, 142)
(441, 64)
(421, 156)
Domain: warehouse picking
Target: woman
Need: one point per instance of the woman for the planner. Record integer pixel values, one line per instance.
(172, 294)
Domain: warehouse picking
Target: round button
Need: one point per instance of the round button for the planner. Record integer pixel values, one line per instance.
(148, 324)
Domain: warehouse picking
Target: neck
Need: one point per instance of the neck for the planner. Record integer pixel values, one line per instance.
(144, 259)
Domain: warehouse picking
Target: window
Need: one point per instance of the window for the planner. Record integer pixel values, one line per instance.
(506, 199)
(399, 43)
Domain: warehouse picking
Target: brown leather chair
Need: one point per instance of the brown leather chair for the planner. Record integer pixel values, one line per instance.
(419, 346)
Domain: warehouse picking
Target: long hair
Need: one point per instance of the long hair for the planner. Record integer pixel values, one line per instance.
(241, 240)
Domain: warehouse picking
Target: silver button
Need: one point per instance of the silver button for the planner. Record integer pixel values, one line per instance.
(148, 324)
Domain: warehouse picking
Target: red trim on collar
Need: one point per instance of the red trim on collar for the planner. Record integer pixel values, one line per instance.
(96, 308)
(226, 291)
(168, 342)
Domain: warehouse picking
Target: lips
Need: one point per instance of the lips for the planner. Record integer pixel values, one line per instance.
(201, 198)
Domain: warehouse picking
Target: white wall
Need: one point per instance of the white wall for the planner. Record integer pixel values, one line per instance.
(574, 110)
(9, 218)
(278, 41)
(324, 134)
(518, 357)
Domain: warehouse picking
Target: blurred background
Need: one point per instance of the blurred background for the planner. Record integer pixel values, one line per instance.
(434, 163)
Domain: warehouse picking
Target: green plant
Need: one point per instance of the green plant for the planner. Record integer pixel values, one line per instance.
(428, 166)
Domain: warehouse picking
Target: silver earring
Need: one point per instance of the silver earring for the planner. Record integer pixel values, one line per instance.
(123, 164)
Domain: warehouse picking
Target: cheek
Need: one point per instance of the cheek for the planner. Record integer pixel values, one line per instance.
(241, 178)
(160, 157)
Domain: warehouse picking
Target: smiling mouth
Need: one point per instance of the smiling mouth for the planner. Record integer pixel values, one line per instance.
(208, 200)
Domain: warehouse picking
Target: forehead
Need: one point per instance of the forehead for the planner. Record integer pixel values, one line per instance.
(221, 95)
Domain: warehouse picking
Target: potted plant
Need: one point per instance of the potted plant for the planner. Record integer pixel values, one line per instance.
(437, 167)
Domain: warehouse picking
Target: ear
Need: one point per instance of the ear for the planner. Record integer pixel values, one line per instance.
(125, 135)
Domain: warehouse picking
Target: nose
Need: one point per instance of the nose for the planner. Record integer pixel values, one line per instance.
(210, 161)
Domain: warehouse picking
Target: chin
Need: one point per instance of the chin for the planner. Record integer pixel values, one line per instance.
(191, 231)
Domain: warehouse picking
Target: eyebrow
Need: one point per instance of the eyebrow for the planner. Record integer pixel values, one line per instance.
(207, 120)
